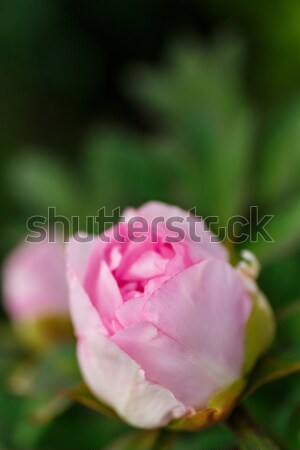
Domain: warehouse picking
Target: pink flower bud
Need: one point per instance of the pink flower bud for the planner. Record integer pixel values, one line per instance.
(34, 282)
(160, 324)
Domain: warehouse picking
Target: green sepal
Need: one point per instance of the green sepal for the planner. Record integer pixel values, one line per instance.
(260, 330)
(218, 409)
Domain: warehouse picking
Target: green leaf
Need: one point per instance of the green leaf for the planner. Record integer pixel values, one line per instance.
(38, 182)
(198, 99)
(83, 429)
(288, 320)
(273, 368)
(41, 381)
(120, 171)
(294, 430)
(57, 371)
(194, 78)
(280, 166)
(284, 231)
(11, 405)
(280, 398)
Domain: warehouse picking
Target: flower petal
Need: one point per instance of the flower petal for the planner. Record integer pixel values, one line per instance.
(106, 296)
(84, 315)
(148, 265)
(34, 282)
(204, 309)
(79, 253)
(200, 241)
(120, 382)
(191, 378)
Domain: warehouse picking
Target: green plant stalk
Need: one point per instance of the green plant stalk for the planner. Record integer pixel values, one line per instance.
(248, 434)
(165, 440)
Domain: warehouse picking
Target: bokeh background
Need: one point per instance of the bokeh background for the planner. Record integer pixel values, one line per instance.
(115, 103)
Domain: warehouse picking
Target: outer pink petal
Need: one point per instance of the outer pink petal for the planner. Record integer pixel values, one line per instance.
(119, 381)
(204, 309)
(79, 253)
(186, 373)
(84, 315)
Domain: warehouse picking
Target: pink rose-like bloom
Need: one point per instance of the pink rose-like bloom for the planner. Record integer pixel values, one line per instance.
(34, 281)
(160, 325)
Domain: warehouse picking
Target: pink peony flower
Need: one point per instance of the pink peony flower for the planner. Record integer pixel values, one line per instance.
(34, 282)
(160, 323)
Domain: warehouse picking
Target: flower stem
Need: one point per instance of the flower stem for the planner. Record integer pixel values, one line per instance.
(165, 440)
(248, 434)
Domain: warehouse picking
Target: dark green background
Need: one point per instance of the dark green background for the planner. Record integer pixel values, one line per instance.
(113, 103)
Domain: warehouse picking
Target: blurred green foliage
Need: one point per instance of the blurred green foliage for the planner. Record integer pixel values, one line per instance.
(113, 104)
